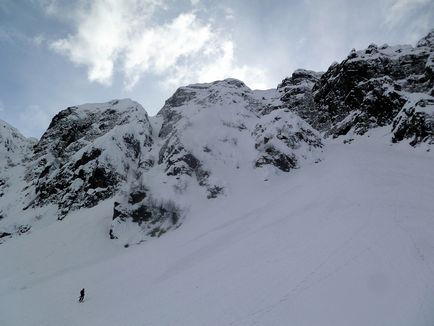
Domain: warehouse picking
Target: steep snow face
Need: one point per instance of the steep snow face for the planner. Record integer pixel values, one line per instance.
(87, 153)
(208, 126)
(211, 137)
(212, 130)
(226, 125)
(14, 147)
(207, 138)
(347, 241)
(15, 151)
(367, 90)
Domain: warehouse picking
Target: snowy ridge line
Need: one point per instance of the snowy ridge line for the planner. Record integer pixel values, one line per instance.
(204, 136)
(206, 139)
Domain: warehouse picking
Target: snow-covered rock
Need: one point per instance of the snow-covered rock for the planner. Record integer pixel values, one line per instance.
(366, 90)
(225, 123)
(206, 140)
(208, 135)
(296, 92)
(87, 153)
(15, 151)
(415, 121)
(14, 147)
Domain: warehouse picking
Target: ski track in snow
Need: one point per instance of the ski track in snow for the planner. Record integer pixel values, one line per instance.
(347, 241)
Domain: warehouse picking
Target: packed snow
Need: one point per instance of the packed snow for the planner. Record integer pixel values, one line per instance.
(271, 222)
(345, 241)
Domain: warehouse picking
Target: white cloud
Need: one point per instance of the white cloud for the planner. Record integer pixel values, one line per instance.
(102, 32)
(159, 49)
(221, 64)
(122, 36)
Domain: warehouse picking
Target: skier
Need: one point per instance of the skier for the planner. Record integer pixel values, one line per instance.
(81, 295)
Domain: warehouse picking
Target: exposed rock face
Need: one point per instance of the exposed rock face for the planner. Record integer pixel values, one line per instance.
(296, 92)
(366, 90)
(153, 217)
(87, 153)
(415, 121)
(283, 139)
(370, 87)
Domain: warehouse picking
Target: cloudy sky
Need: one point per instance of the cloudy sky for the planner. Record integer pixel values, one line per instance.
(58, 53)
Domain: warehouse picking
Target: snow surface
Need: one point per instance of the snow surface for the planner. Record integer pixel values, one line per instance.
(346, 241)
(13, 146)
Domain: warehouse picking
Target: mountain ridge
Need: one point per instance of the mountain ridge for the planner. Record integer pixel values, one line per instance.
(205, 135)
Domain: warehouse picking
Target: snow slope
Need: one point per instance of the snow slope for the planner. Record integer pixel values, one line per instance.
(153, 167)
(204, 137)
(345, 238)
(13, 146)
(211, 137)
(346, 241)
(15, 149)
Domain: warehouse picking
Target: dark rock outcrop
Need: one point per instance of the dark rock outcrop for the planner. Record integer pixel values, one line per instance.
(368, 89)
(87, 153)
(153, 217)
(415, 121)
(296, 92)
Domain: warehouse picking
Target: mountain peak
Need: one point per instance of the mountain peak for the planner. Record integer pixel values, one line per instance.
(14, 147)
(116, 106)
(207, 135)
(427, 40)
(227, 82)
(188, 99)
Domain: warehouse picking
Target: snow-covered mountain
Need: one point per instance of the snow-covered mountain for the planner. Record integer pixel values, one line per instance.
(87, 153)
(14, 147)
(203, 138)
(285, 194)
(15, 150)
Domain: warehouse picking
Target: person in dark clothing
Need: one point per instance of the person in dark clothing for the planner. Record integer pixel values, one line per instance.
(81, 295)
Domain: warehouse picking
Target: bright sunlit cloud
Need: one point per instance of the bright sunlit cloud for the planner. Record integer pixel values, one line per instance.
(58, 53)
(121, 36)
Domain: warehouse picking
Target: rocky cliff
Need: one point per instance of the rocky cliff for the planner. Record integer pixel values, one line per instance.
(380, 86)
